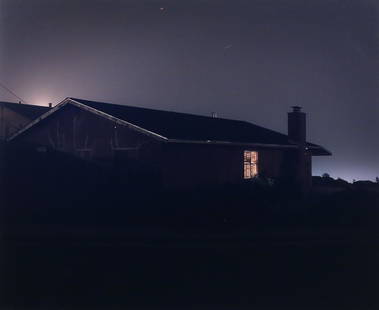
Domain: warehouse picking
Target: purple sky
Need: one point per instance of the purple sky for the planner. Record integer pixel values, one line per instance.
(247, 60)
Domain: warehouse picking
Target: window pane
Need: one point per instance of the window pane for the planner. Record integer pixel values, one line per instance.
(254, 157)
(247, 173)
(247, 156)
(254, 170)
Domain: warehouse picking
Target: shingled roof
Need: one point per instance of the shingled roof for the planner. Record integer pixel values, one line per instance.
(29, 111)
(183, 127)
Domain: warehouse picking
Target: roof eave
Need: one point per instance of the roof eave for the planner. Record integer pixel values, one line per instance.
(319, 151)
(229, 143)
(315, 150)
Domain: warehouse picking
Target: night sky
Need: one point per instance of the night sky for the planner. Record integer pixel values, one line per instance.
(248, 60)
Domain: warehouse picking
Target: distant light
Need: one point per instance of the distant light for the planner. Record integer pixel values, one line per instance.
(162, 9)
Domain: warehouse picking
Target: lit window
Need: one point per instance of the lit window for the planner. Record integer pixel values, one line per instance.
(250, 164)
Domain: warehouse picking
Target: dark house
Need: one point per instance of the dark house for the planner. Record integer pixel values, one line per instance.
(174, 149)
(14, 116)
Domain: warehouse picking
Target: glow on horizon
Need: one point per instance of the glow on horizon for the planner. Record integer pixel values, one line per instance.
(41, 100)
(347, 175)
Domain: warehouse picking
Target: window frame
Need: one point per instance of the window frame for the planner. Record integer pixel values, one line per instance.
(250, 164)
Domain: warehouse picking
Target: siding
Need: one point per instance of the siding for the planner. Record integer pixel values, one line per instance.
(84, 134)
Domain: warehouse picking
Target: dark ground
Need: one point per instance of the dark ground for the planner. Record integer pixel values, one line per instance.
(73, 239)
(80, 274)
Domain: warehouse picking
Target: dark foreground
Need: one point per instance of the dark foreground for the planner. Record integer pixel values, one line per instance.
(101, 273)
(76, 237)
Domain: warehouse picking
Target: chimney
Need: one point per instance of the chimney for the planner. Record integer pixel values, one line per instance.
(302, 164)
(50, 104)
(297, 126)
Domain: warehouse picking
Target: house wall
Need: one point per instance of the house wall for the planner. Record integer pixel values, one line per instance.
(86, 135)
(10, 122)
(200, 165)
(137, 156)
(187, 165)
(296, 166)
(272, 163)
(304, 177)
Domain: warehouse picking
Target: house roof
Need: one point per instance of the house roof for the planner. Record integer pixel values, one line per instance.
(186, 128)
(182, 126)
(27, 110)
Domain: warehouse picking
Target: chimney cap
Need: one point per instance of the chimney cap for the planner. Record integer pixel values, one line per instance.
(296, 108)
